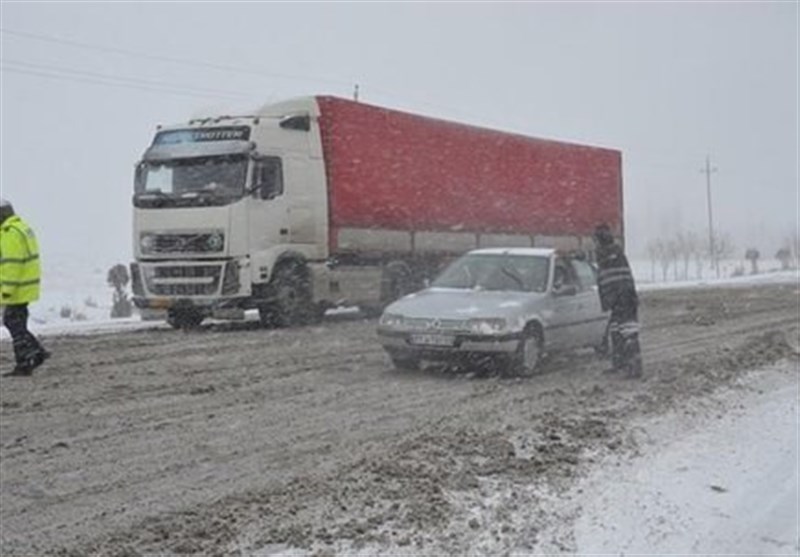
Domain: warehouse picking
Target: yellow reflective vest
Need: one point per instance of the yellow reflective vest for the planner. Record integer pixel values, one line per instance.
(20, 273)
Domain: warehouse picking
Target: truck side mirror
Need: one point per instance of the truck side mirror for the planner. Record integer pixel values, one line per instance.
(138, 177)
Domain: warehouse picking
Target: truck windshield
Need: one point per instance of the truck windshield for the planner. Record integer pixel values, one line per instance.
(217, 180)
(519, 273)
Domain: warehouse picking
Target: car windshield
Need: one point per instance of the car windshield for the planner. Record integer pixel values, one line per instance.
(518, 273)
(219, 177)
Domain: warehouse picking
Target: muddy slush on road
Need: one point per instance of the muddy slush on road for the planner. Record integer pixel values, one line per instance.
(235, 440)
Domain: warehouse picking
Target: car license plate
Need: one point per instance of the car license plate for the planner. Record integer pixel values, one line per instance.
(433, 340)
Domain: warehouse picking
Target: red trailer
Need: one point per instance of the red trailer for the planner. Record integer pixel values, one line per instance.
(391, 170)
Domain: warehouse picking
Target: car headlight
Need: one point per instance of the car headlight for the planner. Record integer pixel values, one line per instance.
(490, 326)
(147, 242)
(391, 320)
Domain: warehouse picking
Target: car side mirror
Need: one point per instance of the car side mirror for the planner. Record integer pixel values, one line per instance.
(566, 290)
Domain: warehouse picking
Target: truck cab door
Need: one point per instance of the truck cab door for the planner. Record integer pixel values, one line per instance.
(268, 214)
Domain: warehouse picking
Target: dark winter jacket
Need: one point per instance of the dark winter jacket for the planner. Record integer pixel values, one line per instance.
(614, 278)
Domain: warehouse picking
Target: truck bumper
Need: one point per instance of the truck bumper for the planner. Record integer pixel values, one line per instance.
(209, 286)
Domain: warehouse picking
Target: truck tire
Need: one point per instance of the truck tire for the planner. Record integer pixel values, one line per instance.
(292, 304)
(184, 318)
(526, 360)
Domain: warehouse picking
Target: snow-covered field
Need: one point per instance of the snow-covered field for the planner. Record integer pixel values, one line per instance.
(76, 299)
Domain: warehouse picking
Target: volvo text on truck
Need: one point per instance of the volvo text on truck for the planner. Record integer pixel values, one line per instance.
(320, 201)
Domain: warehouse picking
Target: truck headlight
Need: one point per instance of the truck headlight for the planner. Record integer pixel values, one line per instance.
(147, 242)
(392, 320)
(490, 326)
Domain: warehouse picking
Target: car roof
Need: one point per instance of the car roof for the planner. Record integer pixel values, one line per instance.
(539, 252)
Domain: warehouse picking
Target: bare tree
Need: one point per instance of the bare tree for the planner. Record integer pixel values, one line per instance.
(784, 255)
(792, 242)
(687, 245)
(723, 249)
(673, 252)
(653, 255)
(752, 255)
(663, 258)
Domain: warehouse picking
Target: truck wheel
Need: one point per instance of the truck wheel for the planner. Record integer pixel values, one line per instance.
(184, 318)
(525, 361)
(293, 305)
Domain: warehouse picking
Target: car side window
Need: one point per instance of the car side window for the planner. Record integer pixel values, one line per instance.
(585, 273)
(563, 275)
(268, 176)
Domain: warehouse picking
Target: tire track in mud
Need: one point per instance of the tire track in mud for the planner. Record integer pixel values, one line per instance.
(178, 429)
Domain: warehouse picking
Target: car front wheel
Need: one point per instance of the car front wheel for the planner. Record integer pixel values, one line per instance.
(404, 362)
(527, 358)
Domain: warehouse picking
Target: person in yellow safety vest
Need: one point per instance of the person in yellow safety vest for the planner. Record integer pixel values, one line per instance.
(19, 286)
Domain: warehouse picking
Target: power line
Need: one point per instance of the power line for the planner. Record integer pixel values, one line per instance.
(222, 67)
(169, 59)
(123, 79)
(108, 83)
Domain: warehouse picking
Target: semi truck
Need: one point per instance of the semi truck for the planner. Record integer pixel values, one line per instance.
(317, 202)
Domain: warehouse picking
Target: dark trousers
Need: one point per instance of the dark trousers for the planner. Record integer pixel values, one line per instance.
(626, 353)
(26, 347)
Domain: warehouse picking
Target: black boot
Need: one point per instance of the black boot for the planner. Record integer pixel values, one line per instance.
(633, 357)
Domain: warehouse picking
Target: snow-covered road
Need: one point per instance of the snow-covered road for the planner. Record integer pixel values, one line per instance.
(725, 484)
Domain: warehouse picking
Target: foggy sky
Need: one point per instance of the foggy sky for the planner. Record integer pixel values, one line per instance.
(667, 84)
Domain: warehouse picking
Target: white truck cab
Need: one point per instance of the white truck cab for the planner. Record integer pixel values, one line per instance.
(220, 205)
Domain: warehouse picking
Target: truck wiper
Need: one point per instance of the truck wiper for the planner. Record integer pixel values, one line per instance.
(153, 193)
(155, 196)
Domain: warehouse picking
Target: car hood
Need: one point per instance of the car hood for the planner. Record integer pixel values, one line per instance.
(458, 303)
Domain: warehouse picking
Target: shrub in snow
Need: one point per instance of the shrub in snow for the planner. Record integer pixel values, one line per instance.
(66, 312)
(118, 279)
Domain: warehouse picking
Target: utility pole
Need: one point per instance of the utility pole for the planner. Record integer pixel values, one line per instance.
(355, 93)
(708, 170)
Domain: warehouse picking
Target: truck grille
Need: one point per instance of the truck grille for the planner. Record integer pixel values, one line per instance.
(183, 280)
(184, 243)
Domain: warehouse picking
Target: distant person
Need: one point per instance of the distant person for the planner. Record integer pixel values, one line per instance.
(19, 286)
(618, 295)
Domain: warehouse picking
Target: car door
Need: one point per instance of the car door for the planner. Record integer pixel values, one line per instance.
(562, 330)
(592, 320)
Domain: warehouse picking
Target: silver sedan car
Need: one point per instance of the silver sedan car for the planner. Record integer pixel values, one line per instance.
(515, 303)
